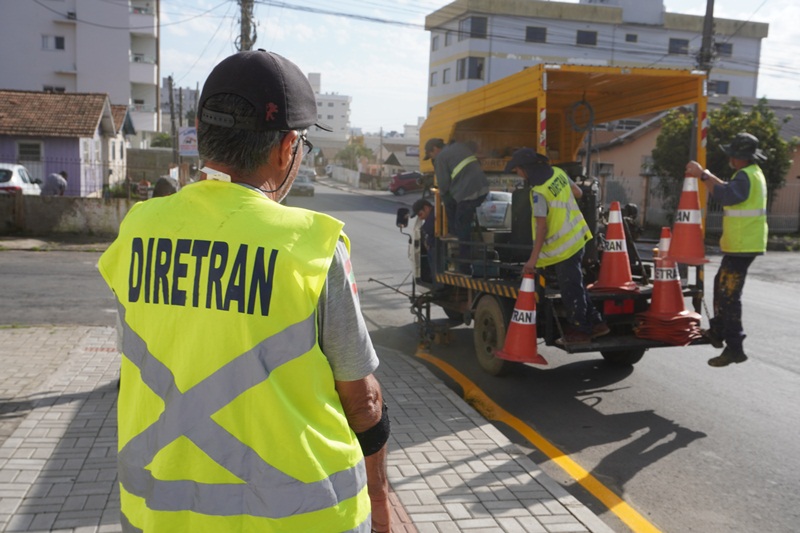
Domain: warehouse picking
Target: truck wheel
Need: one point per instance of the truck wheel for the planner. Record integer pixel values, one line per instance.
(489, 334)
(623, 357)
(400, 191)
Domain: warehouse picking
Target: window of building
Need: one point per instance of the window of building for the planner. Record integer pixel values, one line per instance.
(472, 28)
(53, 89)
(330, 104)
(27, 151)
(446, 76)
(330, 117)
(448, 38)
(631, 38)
(588, 38)
(52, 42)
(433, 79)
(435, 43)
(724, 49)
(469, 68)
(319, 104)
(718, 87)
(679, 46)
(535, 34)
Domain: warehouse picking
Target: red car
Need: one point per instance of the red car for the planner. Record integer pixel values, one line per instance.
(404, 182)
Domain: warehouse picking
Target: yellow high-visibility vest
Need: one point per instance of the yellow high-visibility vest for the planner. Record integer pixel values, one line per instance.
(567, 231)
(228, 415)
(744, 225)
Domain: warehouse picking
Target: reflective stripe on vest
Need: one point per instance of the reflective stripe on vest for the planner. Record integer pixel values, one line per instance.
(268, 492)
(744, 225)
(461, 165)
(564, 219)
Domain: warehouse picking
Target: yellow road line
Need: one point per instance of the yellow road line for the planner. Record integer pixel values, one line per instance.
(489, 409)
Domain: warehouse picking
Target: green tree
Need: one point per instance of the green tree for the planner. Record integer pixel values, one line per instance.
(355, 150)
(672, 146)
(161, 140)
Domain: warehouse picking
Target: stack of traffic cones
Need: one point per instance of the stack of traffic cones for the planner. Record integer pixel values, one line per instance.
(687, 234)
(615, 267)
(667, 320)
(520, 345)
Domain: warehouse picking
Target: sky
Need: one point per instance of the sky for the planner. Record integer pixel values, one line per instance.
(376, 51)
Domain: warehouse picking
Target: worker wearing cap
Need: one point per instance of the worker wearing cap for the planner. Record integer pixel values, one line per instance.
(248, 401)
(462, 185)
(744, 236)
(560, 234)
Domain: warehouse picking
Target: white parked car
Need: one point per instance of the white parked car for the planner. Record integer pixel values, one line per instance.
(495, 211)
(15, 178)
(308, 172)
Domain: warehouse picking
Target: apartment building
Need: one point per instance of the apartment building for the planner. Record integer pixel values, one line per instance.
(86, 46)
(474, 42)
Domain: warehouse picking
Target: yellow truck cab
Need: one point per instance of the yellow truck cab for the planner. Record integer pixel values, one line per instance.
(551, 108)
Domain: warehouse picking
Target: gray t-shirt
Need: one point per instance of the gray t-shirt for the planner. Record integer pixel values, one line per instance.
(54, 185)
(343, 334)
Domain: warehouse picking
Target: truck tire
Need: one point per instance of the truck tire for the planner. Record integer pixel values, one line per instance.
(623, 357)
(399, 191)
(489, 334)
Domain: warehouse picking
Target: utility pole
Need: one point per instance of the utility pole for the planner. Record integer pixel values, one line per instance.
(247, 35)
(180, 107)
(706, 54)
(174, 131)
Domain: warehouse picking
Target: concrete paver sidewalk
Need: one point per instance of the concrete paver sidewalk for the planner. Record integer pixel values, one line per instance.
(449, 468)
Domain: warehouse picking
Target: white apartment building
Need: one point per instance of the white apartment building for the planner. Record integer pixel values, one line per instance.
(332, 110)
(85, 46)
(474, 42)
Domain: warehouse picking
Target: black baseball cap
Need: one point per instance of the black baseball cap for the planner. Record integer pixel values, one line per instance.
(432, 143)
(537, 166)
(418, 205)
(276, 88)
(744, 146)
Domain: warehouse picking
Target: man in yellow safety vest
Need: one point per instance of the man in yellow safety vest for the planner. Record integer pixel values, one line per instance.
(560, 233)
(248, 400)
(744, 236)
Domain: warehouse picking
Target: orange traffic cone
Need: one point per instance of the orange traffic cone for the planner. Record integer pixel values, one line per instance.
(615, 267)
(667, 301)
(667, 320)
(520, 345)
(664, 242)
(687, 234)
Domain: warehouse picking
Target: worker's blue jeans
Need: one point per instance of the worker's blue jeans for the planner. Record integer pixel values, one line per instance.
(728, 286)
(581, 313)
(459, 222)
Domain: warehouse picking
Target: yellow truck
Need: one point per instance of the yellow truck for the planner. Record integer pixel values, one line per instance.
(551, 108)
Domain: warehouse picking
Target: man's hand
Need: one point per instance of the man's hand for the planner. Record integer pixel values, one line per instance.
(693, 169)
(529, 267)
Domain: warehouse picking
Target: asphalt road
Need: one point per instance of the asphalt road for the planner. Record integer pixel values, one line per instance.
(690, 447)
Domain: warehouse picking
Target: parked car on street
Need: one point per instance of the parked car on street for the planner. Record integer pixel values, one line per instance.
(405, 182)
(15, 178)
(495, 211)
(302, 186)
(309, 172)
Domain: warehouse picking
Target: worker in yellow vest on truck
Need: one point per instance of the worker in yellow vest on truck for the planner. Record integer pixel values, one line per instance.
(744, 236)
(247, 399)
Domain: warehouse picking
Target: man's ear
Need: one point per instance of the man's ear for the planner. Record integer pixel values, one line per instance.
(283, 152)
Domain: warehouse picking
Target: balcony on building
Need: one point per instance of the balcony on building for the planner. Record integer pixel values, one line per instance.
(142, 19)
(143, 69)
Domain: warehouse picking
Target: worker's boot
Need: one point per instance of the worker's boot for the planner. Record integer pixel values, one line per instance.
(729, 355)
(713, 339)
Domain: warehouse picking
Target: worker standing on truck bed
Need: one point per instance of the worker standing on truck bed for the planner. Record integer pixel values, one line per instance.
(744, 236)
(560, 234)
(463, 187)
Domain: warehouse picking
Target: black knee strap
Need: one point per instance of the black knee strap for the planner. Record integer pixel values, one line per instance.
(373, 439)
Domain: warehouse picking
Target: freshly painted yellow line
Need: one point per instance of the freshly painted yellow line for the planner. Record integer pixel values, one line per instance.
(483, 404)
